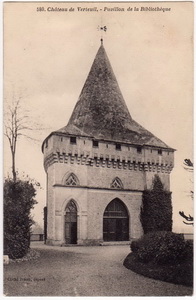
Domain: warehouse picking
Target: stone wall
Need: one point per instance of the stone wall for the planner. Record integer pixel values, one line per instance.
(96, 168)
(90, 209)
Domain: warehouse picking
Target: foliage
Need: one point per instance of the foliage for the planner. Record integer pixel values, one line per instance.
(181, 273)
(18, 202)
(189, 219)
(189, 248)
(188, 165)
(134, 245)
(31, 255)
(162, 247)
(156, 210)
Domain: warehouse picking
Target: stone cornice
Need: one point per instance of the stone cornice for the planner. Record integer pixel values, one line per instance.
(106, 161)
(96, 188)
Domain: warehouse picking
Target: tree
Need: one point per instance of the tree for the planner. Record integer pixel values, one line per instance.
(16, 124)
(19, 195)
(188, 166)
(156, 210)
(19, 199)
(13, 127)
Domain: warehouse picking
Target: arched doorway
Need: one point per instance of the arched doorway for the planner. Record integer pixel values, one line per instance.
(71, 223)
(116, 222)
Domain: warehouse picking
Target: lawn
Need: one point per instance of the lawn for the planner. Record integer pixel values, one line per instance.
(181, 273)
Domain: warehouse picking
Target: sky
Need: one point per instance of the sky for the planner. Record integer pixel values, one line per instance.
(47, 57)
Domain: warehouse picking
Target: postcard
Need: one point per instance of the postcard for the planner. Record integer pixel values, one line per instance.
(98, 148)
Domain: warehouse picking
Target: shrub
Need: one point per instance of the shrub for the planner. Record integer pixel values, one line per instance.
(189, 249)
(161, 247)
(134, 245)
(172, 250)
(17, 244)
(156, 210)
(146, 246)
(18, 202)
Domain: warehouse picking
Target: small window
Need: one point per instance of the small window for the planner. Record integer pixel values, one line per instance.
(139, 149)
(95, 144)
(61, 139)
(72, 180)
(117, 183)
(46, 143)
(73, 140)
(118, 146)
(160, 152)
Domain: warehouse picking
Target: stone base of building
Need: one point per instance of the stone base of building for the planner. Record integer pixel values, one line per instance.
(87, 242)
(53, 243)
(115, 243)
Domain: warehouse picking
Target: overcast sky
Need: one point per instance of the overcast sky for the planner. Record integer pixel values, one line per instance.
(47, 57)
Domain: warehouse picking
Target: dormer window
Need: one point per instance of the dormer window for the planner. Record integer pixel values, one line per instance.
(118, 146)
(139, 149)
(72, 140)
(95, 143)
(159, 152)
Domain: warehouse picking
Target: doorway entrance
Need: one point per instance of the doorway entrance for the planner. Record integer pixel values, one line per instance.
(116, 222)
(71, 223)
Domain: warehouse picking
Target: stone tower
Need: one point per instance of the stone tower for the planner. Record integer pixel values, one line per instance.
(99, 164)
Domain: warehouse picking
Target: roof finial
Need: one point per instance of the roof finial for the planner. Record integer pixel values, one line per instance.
(102, 28)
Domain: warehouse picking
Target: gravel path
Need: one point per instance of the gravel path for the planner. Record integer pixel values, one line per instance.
(83, 271)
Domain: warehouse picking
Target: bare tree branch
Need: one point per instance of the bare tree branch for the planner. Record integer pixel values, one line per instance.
(16, 125)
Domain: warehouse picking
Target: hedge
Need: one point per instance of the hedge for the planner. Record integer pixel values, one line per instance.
(18, 202)
(161, 247)
(156, 209)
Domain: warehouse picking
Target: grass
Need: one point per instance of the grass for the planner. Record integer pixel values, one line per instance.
(181, 273)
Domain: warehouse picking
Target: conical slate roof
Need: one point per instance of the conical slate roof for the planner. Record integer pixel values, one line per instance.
(101, 111)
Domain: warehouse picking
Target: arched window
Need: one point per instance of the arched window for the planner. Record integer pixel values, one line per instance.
(72, 180)
(117, 183)
(71, 207)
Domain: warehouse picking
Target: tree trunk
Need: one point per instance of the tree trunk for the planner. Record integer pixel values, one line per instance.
(13, 166)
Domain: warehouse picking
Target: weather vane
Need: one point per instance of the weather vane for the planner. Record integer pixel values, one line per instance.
(102, 28)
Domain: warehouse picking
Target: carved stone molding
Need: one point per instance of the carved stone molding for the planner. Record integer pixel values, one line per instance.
(115, 162)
